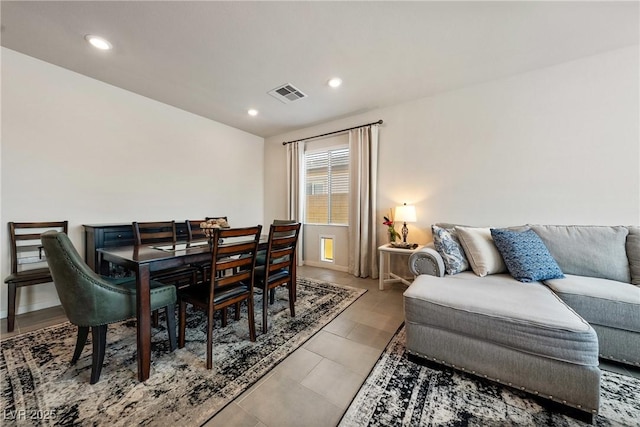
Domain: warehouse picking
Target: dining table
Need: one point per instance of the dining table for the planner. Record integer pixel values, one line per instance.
(143, 260)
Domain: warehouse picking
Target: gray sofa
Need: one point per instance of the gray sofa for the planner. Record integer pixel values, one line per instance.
(541, 337)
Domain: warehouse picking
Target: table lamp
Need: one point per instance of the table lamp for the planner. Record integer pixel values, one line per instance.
(405, 213)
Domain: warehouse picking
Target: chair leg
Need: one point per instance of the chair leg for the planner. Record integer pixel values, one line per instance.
(11, 317)
(83, 333)
(251, 319)
(224, 316)
(272, 296)
(171, 326)
(292, 300)
(182, 320)
(155, 319)
(210, 338)
(99, 337)
(265, 305)
(236, 315)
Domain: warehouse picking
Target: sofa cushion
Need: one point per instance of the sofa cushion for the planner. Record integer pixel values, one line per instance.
(526, 256)
(633, 253)
(601, 301)
(480, 250)
(524, 316)
(594, 251)
(447, 244)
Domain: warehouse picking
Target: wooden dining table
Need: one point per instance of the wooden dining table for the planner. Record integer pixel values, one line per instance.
(143, 260)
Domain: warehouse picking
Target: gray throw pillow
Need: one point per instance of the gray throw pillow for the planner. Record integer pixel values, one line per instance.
(588, 250)
(633, 253)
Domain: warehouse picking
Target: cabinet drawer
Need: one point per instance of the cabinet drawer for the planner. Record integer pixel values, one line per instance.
(118, 237)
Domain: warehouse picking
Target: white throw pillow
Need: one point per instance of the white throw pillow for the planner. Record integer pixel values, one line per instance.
(481, 251)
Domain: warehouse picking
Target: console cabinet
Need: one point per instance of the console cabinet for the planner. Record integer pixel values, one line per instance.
(97, 236)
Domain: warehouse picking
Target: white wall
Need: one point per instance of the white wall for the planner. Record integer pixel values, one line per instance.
(78, 149)
(558, 145)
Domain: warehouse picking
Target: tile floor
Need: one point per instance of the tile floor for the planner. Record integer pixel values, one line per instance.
(316, 383)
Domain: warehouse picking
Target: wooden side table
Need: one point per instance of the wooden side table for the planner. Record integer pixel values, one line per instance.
(385, 273)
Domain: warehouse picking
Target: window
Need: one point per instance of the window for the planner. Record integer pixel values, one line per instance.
(327, 186)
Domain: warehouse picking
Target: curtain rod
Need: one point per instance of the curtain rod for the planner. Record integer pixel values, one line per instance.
(379, 122)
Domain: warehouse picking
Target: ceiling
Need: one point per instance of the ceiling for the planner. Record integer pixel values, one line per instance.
(218, 59)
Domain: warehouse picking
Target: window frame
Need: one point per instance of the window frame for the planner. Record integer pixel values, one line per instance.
(326, 149)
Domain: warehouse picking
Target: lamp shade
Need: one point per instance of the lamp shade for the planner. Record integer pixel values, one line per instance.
(405, 213)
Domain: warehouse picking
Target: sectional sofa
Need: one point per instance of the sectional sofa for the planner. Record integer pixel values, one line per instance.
(476, 306)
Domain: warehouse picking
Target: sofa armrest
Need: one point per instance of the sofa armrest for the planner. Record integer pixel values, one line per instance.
(426, 261)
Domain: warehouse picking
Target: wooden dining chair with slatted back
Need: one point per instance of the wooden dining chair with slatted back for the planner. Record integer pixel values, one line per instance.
(163, 233)
(196, 236)
(236, 256)
(278, 269)
(194, 229)
(28, 261)
(260, 260)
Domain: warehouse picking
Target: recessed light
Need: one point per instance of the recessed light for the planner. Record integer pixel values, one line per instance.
(335, 82)
(98, 42)
(252, 112)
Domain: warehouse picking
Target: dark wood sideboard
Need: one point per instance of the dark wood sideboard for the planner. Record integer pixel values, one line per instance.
(98, 236)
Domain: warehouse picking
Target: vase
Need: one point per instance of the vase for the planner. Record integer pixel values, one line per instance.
(392, 237)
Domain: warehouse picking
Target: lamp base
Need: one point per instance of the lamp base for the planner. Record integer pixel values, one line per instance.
(405, 233)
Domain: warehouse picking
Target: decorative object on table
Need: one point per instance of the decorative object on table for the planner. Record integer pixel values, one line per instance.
(179, 391)
(209, 225)
(403, 245)
(405, 213)
(393, 234)
(401, 392)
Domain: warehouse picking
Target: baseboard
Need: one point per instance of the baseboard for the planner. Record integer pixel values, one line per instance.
(327, 265)
(31, 307)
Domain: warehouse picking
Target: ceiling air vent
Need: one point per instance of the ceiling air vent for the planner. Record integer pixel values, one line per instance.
(287, 93)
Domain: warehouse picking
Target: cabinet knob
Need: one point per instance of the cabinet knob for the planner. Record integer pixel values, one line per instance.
(119, 236)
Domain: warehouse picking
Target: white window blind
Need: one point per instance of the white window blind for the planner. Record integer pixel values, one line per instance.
(327, 186)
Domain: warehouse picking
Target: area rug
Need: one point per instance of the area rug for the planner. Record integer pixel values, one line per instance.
(39, 387)
(399, 392)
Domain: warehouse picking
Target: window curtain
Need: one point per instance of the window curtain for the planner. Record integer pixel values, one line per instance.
(363, 166)
(295, 176)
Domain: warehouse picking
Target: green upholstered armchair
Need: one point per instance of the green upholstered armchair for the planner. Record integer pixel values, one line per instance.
(91, 301)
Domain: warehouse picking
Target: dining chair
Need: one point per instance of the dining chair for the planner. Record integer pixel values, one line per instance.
(93, 302)
(154, 232)
(278, 268)
(28, 262)
(260, 259)
(194, 232)
(236, 257)
(197, 235)
(163, 233)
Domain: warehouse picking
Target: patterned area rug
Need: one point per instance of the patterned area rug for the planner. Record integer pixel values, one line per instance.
(399, 392)
(39, 383)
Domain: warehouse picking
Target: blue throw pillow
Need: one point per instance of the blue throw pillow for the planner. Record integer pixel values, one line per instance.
(448, 246)
(525, 255)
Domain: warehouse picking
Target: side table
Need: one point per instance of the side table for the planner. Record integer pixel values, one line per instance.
(385, 273)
